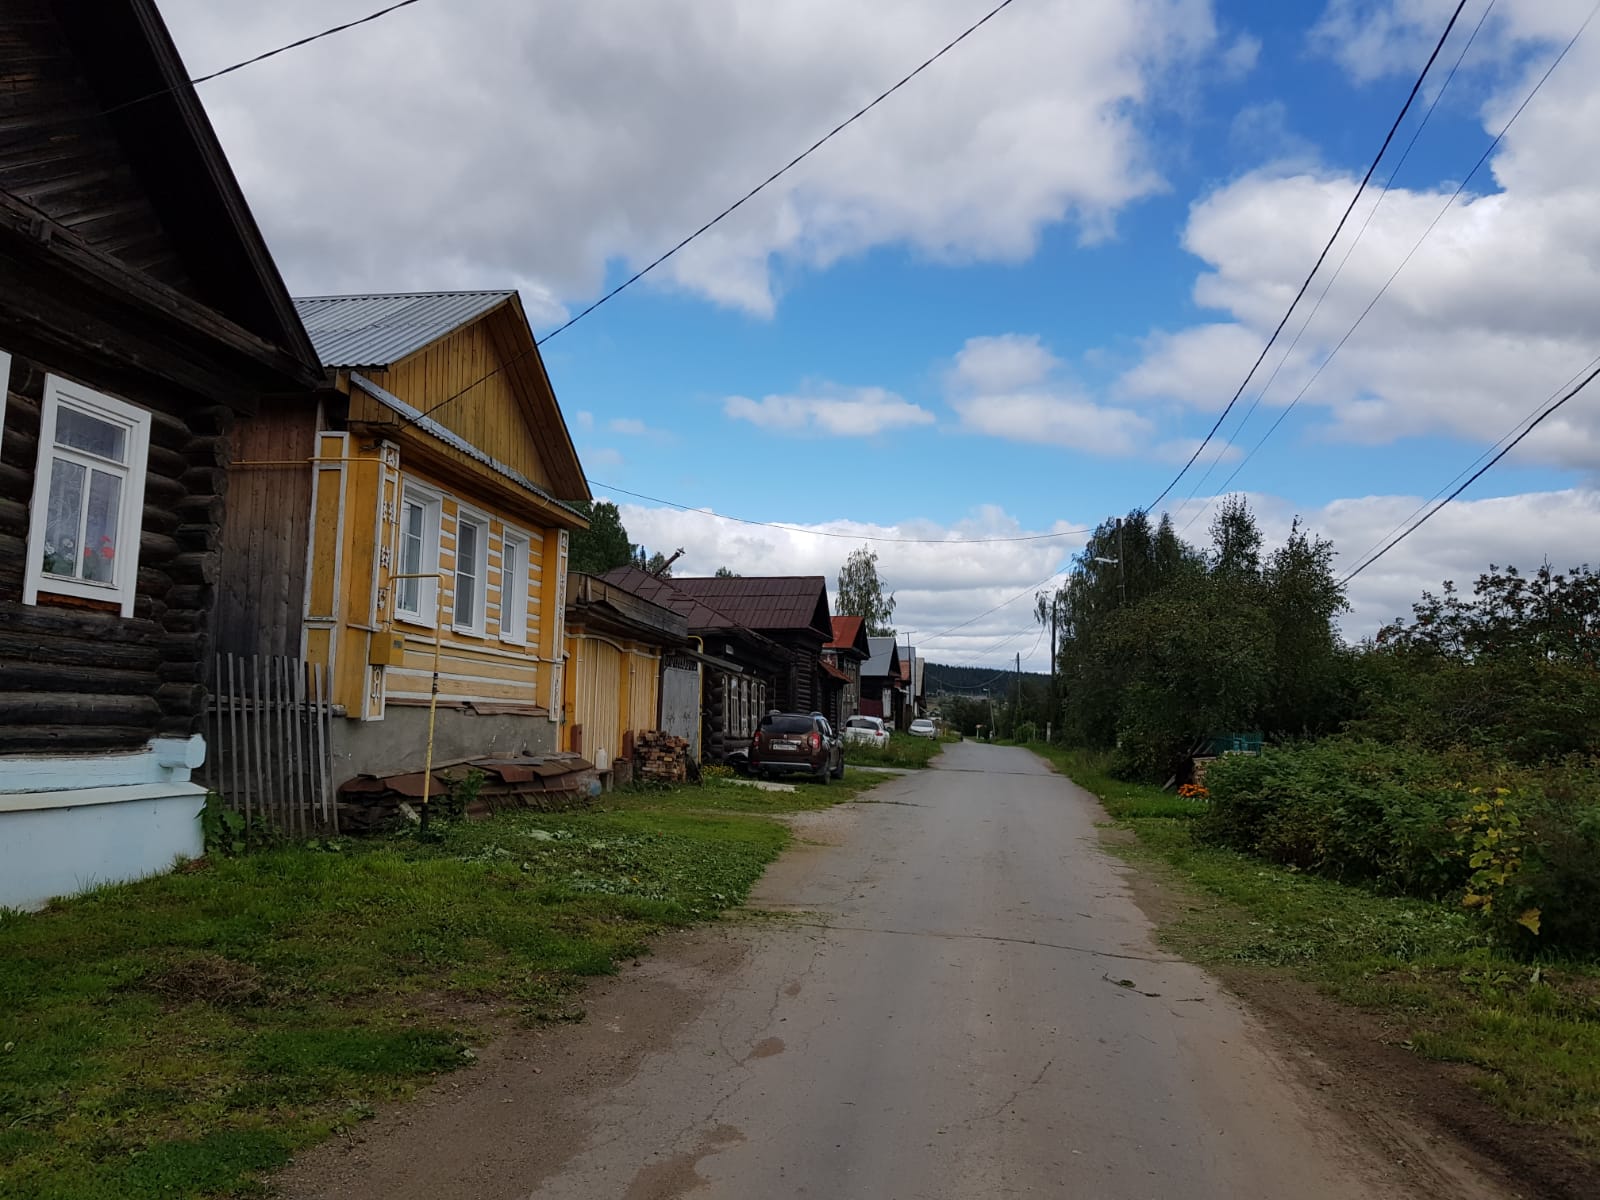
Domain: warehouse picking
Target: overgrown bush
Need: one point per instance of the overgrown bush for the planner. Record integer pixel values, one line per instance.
(1519, 847)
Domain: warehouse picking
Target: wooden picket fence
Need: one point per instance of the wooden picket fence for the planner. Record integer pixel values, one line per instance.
(269, 726)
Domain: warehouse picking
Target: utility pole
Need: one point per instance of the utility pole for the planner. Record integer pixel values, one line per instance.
(1122, 569)
(1016, 713)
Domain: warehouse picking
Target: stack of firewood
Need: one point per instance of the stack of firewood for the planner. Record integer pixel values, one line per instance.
(661, 757)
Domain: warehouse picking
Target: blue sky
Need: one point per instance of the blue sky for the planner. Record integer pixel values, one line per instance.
(1006, 302)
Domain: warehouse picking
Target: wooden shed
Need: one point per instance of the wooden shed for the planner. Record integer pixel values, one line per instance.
(619, 647)
(141, 318)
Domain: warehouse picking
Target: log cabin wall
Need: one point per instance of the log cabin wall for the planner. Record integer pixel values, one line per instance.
(73, 676)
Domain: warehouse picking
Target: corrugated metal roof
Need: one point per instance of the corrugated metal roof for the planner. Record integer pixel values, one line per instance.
(846, 630)
(377, 330)
(766, 602)
(451, 438)
(885, 660)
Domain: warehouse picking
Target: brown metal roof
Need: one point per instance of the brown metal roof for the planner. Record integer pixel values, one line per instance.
(667, 594)
(834, 671)
(767, 603)
(849, 634)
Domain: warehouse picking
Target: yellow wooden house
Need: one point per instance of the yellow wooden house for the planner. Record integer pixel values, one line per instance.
(425, 498)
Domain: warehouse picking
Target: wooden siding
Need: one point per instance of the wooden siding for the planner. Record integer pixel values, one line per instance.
(489, 415)
(261, 586)
(60, 154)
(79, 679)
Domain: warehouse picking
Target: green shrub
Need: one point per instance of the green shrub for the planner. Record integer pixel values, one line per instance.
(1520, 847)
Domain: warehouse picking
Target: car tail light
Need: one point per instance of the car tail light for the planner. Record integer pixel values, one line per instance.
(816, 741)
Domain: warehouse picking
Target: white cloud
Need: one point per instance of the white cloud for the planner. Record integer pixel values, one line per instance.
(840, 412)
(936, 586)
(634, 427)
(496, 142)
(583, 420)
(1011, 386)
(941, 585)
(601, 456)
(1498, 307)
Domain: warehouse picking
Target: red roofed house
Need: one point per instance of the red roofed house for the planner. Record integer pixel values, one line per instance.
(844, 656)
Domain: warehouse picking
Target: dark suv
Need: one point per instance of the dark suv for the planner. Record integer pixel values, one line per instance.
(790, 742)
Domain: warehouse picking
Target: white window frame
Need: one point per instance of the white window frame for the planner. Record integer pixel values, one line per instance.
(475, 619)
(123, 588)
(515, 547)
(432, 505)
(5, 387)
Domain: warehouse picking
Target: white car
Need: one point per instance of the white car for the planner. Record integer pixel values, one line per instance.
(866, 731)
(922, 727)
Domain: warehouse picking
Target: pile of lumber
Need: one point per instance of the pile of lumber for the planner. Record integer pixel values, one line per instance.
(661, 758)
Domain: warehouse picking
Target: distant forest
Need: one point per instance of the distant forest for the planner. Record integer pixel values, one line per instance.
(939, 678)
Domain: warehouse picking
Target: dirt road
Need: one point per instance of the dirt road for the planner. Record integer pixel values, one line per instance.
(956, 996)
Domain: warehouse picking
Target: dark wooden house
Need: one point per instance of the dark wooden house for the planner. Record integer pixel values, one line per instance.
(880, 681)
(141, 316)
(790, 610)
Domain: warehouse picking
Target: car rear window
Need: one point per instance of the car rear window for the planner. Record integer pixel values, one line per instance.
(862, 723)
(786, 723)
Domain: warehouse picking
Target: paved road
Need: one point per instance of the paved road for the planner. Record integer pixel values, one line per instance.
(962, 1000)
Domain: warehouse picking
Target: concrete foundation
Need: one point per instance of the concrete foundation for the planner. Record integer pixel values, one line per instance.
(399, 743)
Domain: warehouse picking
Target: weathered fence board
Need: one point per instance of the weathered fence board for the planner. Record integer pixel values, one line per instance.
(268, 731)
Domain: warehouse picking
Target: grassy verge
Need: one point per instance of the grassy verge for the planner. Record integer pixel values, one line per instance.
(1532, 1031)
(179, 1036)
(903, 750)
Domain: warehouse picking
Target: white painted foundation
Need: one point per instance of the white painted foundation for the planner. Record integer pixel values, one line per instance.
(69, 824)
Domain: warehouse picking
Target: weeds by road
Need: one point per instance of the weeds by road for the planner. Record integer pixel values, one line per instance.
(179, 1036)
(903, 750)
(1530, 1031)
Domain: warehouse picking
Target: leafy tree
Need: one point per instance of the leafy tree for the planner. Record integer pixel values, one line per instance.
(1302, 601)
(861, 593)
(655, 564)
(727, 573)
(1236, 542)
(603, 546)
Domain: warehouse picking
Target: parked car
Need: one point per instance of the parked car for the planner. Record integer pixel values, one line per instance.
(866, 731)
(922, 727)
(794, 743)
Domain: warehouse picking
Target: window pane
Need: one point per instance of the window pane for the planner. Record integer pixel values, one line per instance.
(83, 432)
(65, 517)
(411, 525)
(467, 547)
(100, 530)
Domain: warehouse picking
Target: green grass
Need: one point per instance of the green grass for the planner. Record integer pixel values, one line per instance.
(903, 750)
(1532, 1030)
(179, 1036)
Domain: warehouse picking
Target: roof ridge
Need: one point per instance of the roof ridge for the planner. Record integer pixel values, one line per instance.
(407, 295)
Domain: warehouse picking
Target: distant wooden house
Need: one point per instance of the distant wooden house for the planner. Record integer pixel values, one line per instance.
(141, 317)
(425, 495)
(740, 668)
(790, 610)
(624, 659)
(881, 680)
(845, 654)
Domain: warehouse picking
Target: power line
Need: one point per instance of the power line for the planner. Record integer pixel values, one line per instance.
(1395, 274)
(1594, 362)
(1339, 270)
(1475, 476)
(1003, 604)
(856, 537)
(742, 200)
(264, 55)
(1317, 266)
